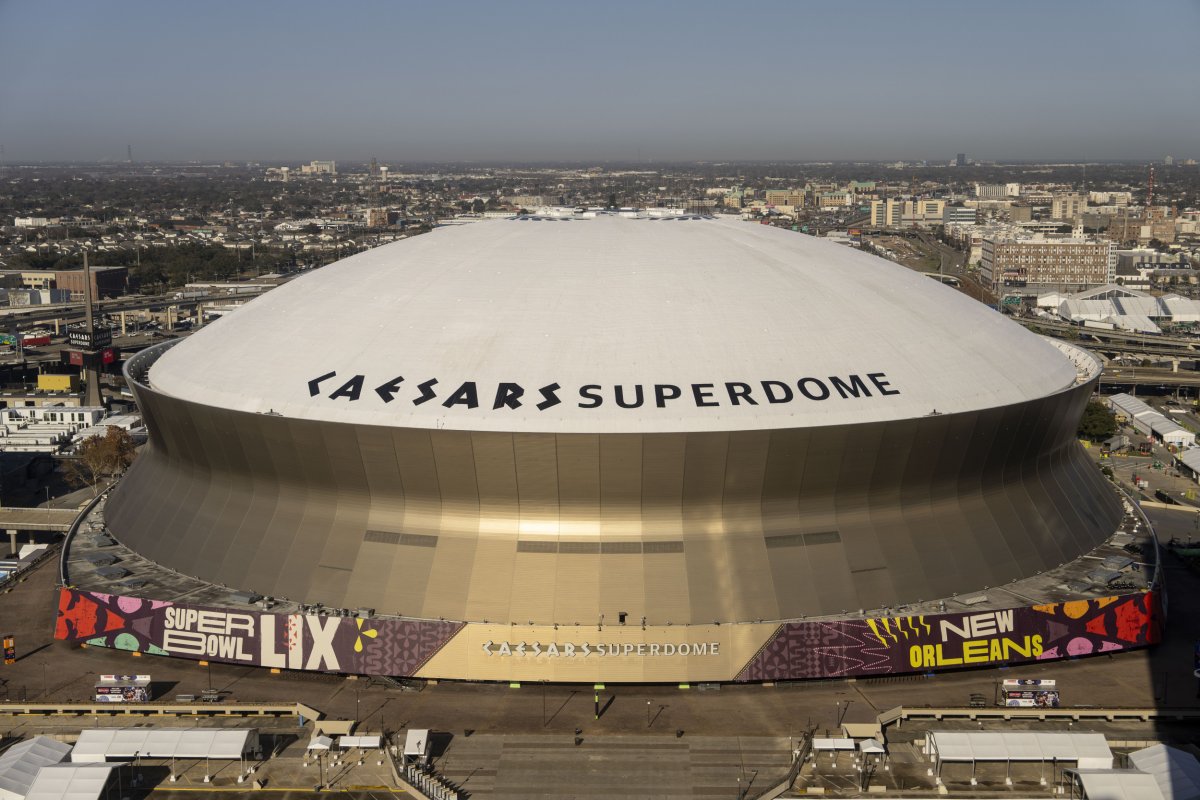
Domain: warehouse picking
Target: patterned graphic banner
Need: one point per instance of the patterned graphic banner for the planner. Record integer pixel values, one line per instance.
(896, 645)
(287, 641)
(797, 650)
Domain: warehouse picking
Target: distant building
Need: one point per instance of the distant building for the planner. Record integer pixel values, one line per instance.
(1068, 206)
(835, 200)
(319, 168)
(37, 280)
(532, 201)
(887, 213)
(31, 222)
(106, 282)
(960, 160)
(35, 297)
(958, 214)
(785, 197)
(897, 213)
(991, 191)
(1041, 261)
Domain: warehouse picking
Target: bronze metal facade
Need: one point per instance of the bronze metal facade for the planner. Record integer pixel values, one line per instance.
(544, 528)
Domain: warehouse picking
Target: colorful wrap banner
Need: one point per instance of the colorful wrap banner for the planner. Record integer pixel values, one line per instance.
(287, 641)
(896, 645)
(796, 650)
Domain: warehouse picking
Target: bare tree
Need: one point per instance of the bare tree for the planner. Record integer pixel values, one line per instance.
(98, 457)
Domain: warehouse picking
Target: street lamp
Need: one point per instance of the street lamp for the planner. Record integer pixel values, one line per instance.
(648, 713)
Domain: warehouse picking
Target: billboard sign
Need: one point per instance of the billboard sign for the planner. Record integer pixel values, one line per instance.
(89, 340)
(791, 650)
(286, 641)
(10, 649)
(122, 694)
(931, 642)
(1030, 693)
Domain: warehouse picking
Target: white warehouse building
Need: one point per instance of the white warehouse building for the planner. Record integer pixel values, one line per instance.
(1150, 422)
(1123, 308)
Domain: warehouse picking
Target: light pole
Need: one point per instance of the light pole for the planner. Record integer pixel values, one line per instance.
(648, 713)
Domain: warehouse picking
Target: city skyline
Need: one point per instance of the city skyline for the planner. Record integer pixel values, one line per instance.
(537, 82)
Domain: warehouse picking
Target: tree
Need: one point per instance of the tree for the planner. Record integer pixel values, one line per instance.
(1097, 422)
(98, 457)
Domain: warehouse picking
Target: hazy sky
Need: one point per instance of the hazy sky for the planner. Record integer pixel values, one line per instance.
(600, 80)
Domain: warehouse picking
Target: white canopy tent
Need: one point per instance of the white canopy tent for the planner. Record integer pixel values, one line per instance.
(101, 744)
(1107, 784)
(19, 764)
(361, 742)
(320, 742)
(1176, 771)
(71, 782)
(1086, 750)
(833, 744)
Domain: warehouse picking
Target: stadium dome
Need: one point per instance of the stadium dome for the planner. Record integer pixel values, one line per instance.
(549, 420)
(597, 306)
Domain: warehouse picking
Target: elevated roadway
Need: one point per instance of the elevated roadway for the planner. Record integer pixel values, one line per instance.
(73, 311)
(1115, 375)
(37, 519)
(1134, 341)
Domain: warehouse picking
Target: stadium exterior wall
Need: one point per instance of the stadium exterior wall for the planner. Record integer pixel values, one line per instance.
(544, 528)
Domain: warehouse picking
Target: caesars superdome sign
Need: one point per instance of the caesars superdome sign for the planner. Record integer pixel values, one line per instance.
(354, 388)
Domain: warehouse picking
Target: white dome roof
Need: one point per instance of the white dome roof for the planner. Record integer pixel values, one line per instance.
(717, 321)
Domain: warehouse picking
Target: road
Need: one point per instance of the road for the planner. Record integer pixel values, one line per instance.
(74, 312)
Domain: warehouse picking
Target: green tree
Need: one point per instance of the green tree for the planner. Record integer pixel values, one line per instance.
(1097, 422)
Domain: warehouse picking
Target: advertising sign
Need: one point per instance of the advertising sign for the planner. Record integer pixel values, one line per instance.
(1030, 693)
(895, 645)
(89, 340)
(286, 641)
(10, 649)
(796, 650)
(122, 694)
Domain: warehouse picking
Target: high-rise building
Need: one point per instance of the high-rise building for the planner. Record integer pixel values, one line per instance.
(1068, 206)
(960, 160)
(887, 213)
(1038, 260)
(897, 213)
(991, 191)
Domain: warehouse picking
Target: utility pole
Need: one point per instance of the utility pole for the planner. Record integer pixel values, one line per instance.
(91, 357)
